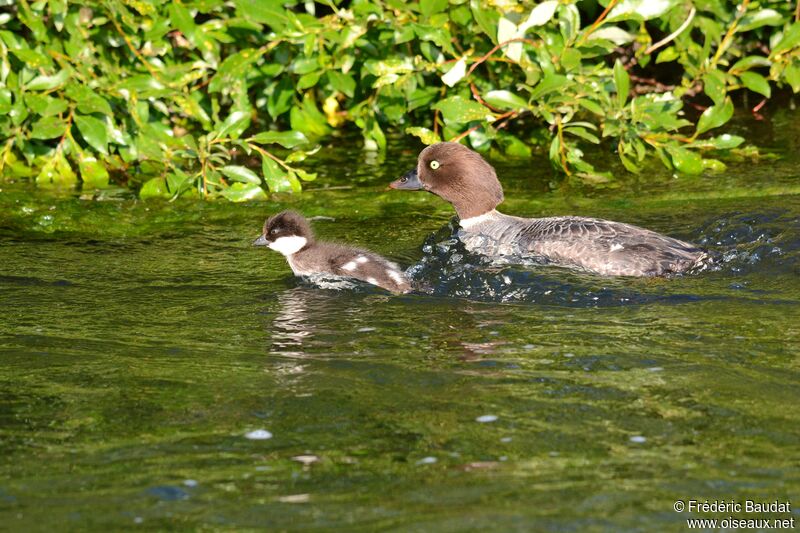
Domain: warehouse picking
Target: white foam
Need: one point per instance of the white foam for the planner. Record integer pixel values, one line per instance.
(259, 434)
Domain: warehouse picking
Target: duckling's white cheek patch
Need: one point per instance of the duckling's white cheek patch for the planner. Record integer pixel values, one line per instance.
(349, 266)
(288, 245)
(361, 259)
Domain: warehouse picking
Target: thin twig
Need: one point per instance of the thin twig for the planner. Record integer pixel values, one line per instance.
(480, 100)
(653, 47)
(723, 45)
(598, 22)
(562, 148)
(264, 152)
(507, 115)
(498, 47)
(133, 49)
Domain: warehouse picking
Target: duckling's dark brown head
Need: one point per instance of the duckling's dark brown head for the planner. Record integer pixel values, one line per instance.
(456, 174)
(288, 232)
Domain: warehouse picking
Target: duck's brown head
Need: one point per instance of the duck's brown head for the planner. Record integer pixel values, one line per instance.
(456, 174)
(287, 232)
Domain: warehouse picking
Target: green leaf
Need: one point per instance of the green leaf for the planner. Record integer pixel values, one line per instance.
(668, 54)
(756, 83)
(715, 116)
(182, 20)
(583, 134)
(305, 176)
(287, 139)
(308, 119)
(756, 19)
(57, 171)
(239, 173)
(792, 76)
(344, 83)
(234, 66)
(154, 188)
(790, 39)
(622, 82)
(540, 15)
(486, 17)
(94, 132)
(642, 9)
(269, 12)
(44, 105)
(714, 86)
(458, 110)
(749, 62)
(616, 35)
(233, 126)
(430, 7)
(277, 178)
(456, 73)
(720, 142)
(309, 80)
(93, 173)
(550, 83)
(48, 128)
(280, 99)
(88, 101)
(503, 99)
(685, 160)
(33, 59)
(242, 192)
(425, 135)
(48, 83)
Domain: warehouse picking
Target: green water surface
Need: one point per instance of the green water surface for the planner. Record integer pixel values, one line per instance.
(140, 342)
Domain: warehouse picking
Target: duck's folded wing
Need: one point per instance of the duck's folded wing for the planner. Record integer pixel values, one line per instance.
(608, 247)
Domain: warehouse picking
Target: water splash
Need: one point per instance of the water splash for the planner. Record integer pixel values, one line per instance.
(739, 244)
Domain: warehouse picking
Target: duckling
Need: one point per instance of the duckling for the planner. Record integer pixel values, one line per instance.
(462, 177)
(290, 234)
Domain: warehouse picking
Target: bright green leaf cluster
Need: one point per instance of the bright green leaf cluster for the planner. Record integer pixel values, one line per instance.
(212, 98)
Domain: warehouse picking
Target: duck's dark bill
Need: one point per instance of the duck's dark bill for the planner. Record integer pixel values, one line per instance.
(409, 182)
(261, 241)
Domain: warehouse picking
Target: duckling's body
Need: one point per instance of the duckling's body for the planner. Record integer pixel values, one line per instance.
(463, 178)
(290, 234)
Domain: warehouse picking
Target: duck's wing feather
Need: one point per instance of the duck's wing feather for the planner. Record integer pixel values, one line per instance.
(607, 247)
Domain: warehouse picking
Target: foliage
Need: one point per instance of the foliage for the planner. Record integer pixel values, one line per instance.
(195, 92)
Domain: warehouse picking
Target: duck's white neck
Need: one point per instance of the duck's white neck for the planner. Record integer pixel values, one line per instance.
(468, 223)
(288, 245)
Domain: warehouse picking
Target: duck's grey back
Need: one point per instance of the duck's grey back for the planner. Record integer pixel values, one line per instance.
(600, 246)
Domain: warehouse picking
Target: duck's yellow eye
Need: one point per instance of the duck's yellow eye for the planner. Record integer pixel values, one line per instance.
(434, 164)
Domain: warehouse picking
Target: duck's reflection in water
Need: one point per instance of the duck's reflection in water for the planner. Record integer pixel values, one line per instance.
(309, 323)
(296, 320)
